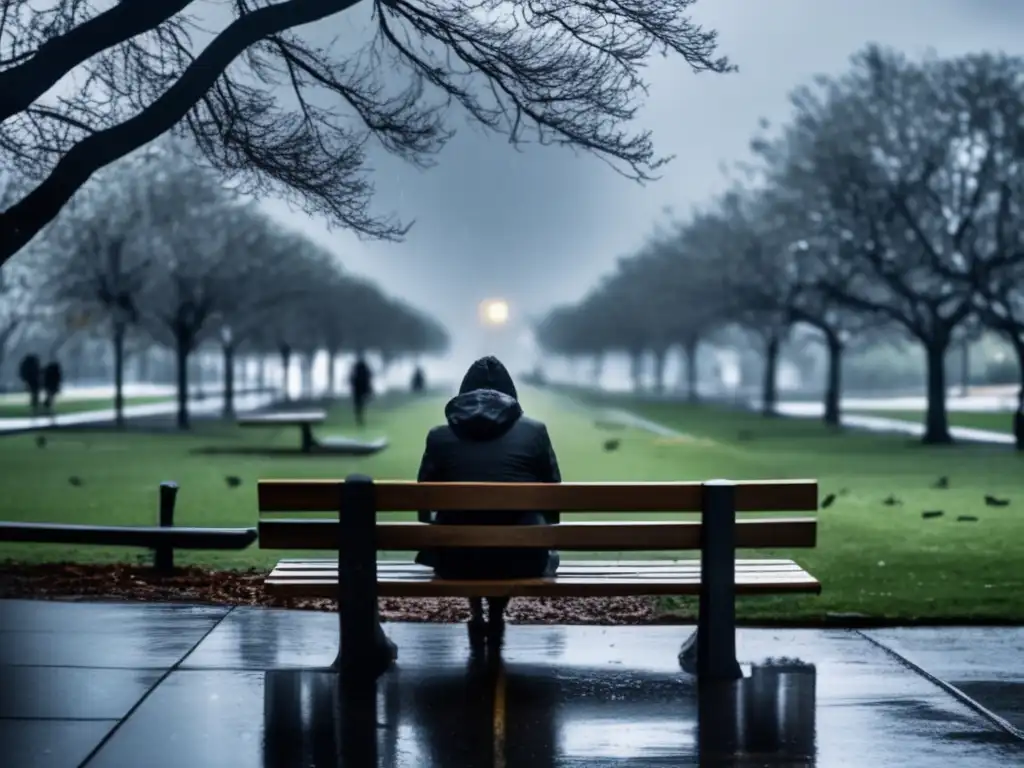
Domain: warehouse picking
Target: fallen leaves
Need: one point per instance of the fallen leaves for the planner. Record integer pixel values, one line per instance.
(194, 584)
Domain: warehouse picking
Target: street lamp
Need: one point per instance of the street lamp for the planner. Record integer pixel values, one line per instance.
(494, 312)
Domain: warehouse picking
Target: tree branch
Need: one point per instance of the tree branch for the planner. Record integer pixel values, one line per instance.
(21, 85)
(22, 221)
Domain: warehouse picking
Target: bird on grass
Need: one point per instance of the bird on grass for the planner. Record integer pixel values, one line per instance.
(232, 481)
(76, 481)
(612, 445)
(932, 513)
(892, 501)
(41, 441)
(828, 501)
(967, 519)
(942, 482)
(992, 501)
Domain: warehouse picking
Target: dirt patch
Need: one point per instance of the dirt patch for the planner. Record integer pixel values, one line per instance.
(54, 581)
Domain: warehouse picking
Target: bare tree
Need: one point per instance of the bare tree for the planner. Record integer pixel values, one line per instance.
(100, 260)
(758, 283)
(550, 71)
(913, 189)
(263, 283)
(194, 231)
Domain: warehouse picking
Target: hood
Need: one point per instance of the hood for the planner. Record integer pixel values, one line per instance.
(486, 406)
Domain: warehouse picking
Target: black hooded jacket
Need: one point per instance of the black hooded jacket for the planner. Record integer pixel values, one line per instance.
(488, 439)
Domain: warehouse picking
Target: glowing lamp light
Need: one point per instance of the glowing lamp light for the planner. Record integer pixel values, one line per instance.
(494, 312)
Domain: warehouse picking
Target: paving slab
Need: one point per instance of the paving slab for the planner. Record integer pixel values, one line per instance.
(72, 693)
(118, 635)
(985, 663)
(50, 743)
(255, 692)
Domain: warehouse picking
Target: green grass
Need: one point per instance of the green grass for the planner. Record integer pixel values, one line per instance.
(883, 562)
(1000, 421)
(22, 410)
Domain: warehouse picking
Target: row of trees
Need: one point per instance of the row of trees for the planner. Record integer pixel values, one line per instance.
(156, 248)
(893, 201)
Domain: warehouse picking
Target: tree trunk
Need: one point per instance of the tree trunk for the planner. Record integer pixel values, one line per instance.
(833, 386)
(145, 364)
(286, 363)
(659, 370)
(690, 349)
(769, 387)
(261, 374)
(1018, 417)
(229, 381)
(331, 377)
(120, 331)
(965, 367)
(181, 354)
(636, 360)
(307, 373)
(936, 427)
(596, 370)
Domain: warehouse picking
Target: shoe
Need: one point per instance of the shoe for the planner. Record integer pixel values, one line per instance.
(496, 632)
(386, 656)
(477, 629)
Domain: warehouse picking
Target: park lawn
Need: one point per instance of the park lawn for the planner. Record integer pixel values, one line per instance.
(22, 410)
(882, 562)
(999, 421)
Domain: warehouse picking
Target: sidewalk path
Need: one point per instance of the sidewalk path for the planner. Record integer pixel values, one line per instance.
(897, 426)
(209, 404)
(879, 424)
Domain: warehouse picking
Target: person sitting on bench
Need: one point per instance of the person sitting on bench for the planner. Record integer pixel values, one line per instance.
(488, 439)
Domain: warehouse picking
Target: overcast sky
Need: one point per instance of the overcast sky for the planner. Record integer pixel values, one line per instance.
(540, 226)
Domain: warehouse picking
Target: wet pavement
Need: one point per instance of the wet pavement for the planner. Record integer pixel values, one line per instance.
(116, 685)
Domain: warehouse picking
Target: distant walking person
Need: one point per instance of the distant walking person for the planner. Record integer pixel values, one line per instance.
(30, 374)
(52, 378)
(361, 382)
(419, 382)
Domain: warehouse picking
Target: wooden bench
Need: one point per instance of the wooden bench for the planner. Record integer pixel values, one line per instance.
(304, 420)
(717, 577)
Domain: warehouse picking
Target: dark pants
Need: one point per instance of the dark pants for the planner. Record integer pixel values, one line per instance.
(359, 404)
(493, 563)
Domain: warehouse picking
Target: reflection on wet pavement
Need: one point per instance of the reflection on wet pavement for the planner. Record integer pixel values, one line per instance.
(254, 691)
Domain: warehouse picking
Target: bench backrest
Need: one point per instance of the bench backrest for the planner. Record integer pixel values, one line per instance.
(715, 500)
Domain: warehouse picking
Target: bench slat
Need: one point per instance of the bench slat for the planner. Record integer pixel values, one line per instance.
(128, 536)
(615, 537)
(313, 568)
(408, 496)
(398, 579)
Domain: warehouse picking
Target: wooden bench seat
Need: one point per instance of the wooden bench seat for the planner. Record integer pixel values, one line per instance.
(586, 578)
(356, 578)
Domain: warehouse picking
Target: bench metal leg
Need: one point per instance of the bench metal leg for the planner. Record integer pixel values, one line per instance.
(307, 438)
(716, 622)
(358, 619)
